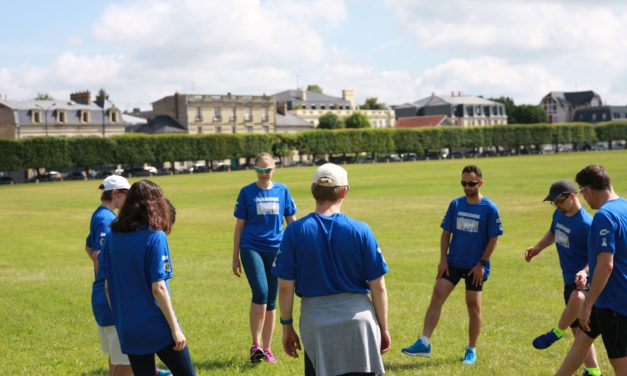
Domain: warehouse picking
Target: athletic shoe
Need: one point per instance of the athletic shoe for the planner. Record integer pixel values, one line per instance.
(418, 349)
(470, 357)
(268, 356)
(163, 372)
(256, 353)
(545, 340)
(586, 373)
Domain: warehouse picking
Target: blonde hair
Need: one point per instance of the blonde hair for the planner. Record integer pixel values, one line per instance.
(263, 155)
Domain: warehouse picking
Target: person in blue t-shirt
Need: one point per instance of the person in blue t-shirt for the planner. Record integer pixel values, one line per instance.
(604, 310)
(569, 231)
(260, 209)
(470, 230)
(137, 265)
(332, 262)
(114, 189)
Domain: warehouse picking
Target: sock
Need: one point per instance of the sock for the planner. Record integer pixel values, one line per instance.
(558, 332)
(425, 340)
(474, 349)
(594, 371)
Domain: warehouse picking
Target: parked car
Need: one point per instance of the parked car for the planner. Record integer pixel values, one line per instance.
(136, 171)
(409, 156)
(103, 174)
(75, 175)
(47, 176)
(221, 167)
(6, 180)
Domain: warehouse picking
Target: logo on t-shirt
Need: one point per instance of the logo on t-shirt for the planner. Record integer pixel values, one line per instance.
(166, 264)
(267, 205)
(468, 222)
(604, 232)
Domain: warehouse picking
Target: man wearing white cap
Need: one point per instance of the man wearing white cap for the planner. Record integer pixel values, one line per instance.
(332, 262)
(114, 189)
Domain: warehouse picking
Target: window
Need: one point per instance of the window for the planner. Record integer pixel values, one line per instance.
(217, 115)
(470, 110)
(232, 116)
(36, 116)
(264, 114)
(198, 114)
(199, 130)
(234, 130)
(616, 115)
(594, 117)
(218, 129)
(478, 110)
(266, 129)
(84, 116)
(61, 117)
(113, 116)
(603, 116)
(248, 113)
(249, 128)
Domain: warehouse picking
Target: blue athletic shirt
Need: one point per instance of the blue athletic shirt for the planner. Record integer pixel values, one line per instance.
(571, 241)
(98, 230)
(327, 255)
(263, 210)
(132, 261)
(472, 226)
(609, 234)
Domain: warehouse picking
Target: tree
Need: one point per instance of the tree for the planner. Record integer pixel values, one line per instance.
(314, 88)
(330, 121)
(357, 120)
(530, 114)
(372, 104)
(43, 97)
(101, 98)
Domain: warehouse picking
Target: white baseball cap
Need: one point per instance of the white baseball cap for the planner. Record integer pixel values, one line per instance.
(114, 182)
(331, 175)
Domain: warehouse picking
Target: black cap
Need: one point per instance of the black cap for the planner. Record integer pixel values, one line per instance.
(559, 188)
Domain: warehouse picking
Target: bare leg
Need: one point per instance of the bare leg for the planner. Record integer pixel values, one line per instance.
(257, 318)
(268, 328)
(441, 291)
(578, 352)
(473, 303)
(620, 366)
(575, 302)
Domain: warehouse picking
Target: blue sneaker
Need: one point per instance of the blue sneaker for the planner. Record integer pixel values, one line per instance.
(544, 341)
(470, 357)
(418, 349)
(163, 372)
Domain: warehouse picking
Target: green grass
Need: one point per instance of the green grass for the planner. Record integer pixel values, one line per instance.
(47, 327)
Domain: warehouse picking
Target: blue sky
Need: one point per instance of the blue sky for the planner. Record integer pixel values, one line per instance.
(396, 50)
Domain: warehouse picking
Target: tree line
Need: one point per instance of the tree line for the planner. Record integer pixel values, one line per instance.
(135, 149)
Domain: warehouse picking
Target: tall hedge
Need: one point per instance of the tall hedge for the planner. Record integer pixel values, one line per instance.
(11, 155)
(45, 152)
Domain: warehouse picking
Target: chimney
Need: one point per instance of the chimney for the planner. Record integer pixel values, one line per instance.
(347, 95)
(302, 94)
(81, 97)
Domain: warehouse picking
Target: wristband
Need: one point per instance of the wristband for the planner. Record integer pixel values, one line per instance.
(286, 322)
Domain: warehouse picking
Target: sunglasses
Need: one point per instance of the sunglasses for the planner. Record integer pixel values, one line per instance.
(469, 183)
(261, 170)
(561, 199)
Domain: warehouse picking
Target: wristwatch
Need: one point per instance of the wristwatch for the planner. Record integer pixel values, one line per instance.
(483, 262)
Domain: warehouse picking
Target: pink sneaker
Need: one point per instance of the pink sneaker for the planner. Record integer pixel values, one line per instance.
(256, 353)
(269, 357)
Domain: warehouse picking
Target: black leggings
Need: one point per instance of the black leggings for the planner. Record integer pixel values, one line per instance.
(179, 362)
(310, 371)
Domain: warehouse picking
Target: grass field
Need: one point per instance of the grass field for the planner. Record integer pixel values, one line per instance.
(47, 328)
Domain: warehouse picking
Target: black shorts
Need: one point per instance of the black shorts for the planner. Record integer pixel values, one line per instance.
(455, 274)
(568, 290)
(613, 329)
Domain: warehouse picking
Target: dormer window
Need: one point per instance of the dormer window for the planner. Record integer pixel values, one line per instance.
(85, 116)
(36, 116)
(61, 117)
(113, 116)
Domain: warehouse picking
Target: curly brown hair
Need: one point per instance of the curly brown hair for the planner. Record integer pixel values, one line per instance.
(145, 205)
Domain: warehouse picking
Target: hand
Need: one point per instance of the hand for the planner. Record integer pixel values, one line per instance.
(94, 258)
(477, 275)
(442, 268)
(584, 317)
(237, 267)
(291, 342)
(386, 342)
(581, 278)
(179, 340)
(530, 253)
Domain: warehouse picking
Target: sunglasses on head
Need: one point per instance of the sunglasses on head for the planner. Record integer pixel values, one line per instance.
(262, 170)
(469, 183)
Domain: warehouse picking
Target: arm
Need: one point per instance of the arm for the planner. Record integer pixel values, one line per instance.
(605, 265)
(160, 292)
(289, 219)
(107, 293)
(379, 296)
(445, 241)
(291, 342)
(477, 270)
(239, 227)
(547, 240)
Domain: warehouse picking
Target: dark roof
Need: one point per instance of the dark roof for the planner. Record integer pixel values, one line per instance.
(161, 124)
(294, 96)
(579, 98)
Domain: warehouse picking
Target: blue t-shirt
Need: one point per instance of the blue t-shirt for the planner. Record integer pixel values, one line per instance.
(98, 230)
(131, 262)
(263, 210)
(608, 233)
(571, 241)
(472, 226)
(327, 255)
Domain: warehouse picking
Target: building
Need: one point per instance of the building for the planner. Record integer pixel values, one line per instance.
(289, 123)
(309, 105)
(205, 114)
(460, 110)
(560, 107)
(160, 124)
(77, 117)
(601, 113)
(421, 121)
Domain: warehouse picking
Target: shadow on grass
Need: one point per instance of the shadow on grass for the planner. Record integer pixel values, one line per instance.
(419, 365)
(221, 364)
(96, 372)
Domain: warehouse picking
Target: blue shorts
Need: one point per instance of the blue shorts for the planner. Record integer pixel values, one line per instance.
(257, 265)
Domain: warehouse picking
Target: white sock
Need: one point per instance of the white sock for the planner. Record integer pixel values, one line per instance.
(425, 340)
(472, 348)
